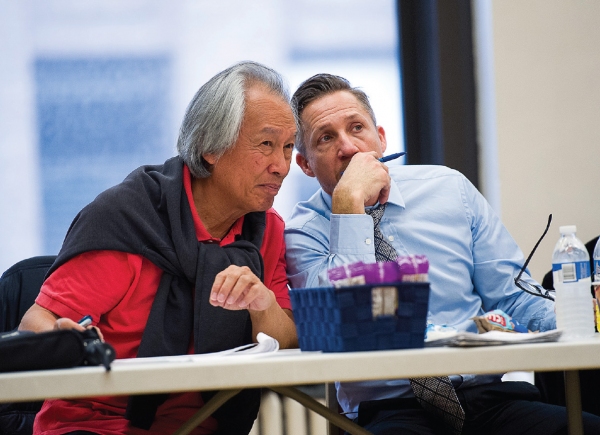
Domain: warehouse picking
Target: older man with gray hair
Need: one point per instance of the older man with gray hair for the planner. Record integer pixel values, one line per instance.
(183, 257)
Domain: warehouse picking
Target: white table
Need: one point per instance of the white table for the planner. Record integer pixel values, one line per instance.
(289, 368)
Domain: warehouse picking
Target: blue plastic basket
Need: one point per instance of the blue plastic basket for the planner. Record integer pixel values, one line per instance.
(345, 319)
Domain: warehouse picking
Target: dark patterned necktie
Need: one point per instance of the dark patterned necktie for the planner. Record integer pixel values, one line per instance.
(436, 395)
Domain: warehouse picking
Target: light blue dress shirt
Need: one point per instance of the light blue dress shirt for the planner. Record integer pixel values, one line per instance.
(432, 210)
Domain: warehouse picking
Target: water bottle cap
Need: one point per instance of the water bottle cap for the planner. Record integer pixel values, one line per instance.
(568, 229)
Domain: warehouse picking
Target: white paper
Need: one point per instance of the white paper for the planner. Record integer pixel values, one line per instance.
(265, 345)
(494, 338)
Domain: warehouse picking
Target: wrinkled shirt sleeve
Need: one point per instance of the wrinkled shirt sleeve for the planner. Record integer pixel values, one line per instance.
(497, 261)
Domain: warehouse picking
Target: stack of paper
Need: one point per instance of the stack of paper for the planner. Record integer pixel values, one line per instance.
(266, 346)
(493, 338)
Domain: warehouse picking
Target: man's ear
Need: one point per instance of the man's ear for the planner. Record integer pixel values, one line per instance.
(303, 163)
(211, 159)
(382, 139)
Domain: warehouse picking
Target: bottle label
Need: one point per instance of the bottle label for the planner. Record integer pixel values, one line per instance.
(572, 272)
(597, 269)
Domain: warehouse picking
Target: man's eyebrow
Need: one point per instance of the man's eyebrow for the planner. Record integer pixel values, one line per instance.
(322, 127)
(349, 117)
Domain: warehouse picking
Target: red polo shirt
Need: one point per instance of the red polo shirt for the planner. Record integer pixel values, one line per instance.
(117, 289)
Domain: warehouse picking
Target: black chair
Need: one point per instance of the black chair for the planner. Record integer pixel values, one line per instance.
(19, 286)
(552, 384)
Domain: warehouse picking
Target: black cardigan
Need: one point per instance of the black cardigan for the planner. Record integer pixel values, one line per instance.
(149, 214)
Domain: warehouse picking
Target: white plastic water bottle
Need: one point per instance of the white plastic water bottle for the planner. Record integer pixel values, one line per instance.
(572, 282)
(596, 279)
(596, 256)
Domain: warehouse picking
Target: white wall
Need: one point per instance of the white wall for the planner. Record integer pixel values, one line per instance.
(547, 77)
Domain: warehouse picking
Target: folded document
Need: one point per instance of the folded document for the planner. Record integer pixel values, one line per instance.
(493, 338)
(266, 345)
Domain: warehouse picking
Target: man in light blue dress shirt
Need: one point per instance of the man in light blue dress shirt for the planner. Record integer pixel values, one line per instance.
(431, 210)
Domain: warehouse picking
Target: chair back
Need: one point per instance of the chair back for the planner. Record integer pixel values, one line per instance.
(19, 286)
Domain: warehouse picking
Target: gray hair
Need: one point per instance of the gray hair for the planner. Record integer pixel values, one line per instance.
(213, 119)
(317, 87)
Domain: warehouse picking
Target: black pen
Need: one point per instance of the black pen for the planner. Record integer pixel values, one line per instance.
(391, 157)
(85, 321)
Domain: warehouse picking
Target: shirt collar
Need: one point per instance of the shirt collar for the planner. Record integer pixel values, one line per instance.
(395, 196)
(201, 232)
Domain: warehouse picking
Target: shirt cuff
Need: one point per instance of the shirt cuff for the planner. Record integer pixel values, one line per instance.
(351, 234)
(542, 324)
